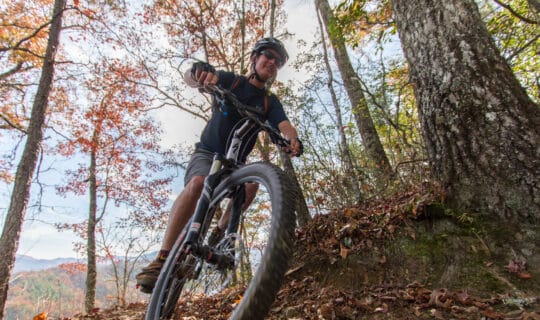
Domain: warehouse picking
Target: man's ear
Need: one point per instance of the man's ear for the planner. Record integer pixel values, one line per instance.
(252, 58)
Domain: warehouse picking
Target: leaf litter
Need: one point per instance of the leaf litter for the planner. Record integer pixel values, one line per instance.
(337, 235)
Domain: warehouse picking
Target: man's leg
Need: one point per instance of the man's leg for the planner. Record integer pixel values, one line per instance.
(181, 212)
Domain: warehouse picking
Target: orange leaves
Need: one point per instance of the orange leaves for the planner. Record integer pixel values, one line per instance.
(12, 117)
(237, 300)
(40, 316)
(212, 27)
(73, 267)
(344, 251)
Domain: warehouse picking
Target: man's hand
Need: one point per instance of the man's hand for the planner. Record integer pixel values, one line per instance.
(204, 74)
(297, 147)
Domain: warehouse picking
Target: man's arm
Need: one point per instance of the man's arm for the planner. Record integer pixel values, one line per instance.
(290, 133)
(200, 75)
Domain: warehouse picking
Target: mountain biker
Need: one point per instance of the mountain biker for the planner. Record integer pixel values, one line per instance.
(267, 56)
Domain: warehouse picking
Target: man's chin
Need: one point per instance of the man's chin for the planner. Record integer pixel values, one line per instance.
(268, 77)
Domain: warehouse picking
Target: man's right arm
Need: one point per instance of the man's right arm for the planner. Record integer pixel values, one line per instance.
(201, 75)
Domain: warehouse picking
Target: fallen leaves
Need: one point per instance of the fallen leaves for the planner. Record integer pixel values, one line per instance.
(335, 237)
(352, 229)
(40, 316)
(519, 267)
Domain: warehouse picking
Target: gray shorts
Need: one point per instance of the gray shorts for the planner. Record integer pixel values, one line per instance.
(199, 164)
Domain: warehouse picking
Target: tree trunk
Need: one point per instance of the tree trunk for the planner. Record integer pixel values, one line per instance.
(9, 241)
(345, 152)
(303, 216)
(361, 113)
(91, 272)
(302, 211)
(482, 131)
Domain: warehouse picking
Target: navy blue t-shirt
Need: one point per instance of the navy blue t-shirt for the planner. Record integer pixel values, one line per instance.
(218, 131)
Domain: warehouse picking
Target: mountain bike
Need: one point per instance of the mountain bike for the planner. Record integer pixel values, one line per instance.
(200, 263)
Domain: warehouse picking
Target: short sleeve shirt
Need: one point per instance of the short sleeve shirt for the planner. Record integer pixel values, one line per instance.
(224, 119)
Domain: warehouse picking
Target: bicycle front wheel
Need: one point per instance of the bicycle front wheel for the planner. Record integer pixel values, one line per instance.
(267, 229)
(259, 250)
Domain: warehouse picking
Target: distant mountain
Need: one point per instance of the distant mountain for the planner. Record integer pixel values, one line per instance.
(26, 263)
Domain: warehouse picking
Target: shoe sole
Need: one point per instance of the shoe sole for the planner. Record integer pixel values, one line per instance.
(145, 289)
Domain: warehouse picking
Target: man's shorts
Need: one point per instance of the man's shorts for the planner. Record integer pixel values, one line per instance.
(199, 164)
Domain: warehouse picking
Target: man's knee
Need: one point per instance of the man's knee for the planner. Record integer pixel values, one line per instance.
(251, 190)
(195, 186)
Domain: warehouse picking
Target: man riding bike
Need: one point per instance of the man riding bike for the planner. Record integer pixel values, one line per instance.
(267, 57)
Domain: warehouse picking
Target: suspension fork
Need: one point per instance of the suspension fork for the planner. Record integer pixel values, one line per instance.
(236, 209)
(210, 183)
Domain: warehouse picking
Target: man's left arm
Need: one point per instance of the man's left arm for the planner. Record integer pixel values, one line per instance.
(290, 133)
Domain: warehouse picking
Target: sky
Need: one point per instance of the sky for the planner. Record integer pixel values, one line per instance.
(41, 240)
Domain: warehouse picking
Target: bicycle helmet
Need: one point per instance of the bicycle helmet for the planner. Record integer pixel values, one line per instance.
(271, 43)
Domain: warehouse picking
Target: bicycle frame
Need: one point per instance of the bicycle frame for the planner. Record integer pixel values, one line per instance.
(220, 168)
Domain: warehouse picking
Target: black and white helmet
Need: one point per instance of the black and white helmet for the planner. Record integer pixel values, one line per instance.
(271, 43)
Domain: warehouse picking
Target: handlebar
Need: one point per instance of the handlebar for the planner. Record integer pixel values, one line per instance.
(224, 94)
(250, 112)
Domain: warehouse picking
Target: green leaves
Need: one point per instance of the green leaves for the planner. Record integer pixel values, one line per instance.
(515, 27)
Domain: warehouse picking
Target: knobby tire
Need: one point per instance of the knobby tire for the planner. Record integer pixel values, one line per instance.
(263, 287)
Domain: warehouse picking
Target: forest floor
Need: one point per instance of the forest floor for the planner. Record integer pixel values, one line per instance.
(304, 295)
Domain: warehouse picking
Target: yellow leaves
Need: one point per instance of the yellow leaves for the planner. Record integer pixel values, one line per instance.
(5, 175)
(24, 30)
(11, 116)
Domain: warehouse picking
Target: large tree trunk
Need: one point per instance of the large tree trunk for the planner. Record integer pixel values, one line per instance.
(364, 122)
(9, 242)
(482, 131)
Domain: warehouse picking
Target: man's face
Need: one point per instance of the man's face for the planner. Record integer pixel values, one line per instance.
(267, 63)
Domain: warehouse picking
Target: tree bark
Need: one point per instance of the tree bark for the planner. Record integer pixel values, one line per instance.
(362, 116)
(91, 270)
(482, 131)
(302, 211)
(9, 241)
(303, 216)
(345, 152)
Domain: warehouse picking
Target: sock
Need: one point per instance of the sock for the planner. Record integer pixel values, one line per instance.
(162, 255)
